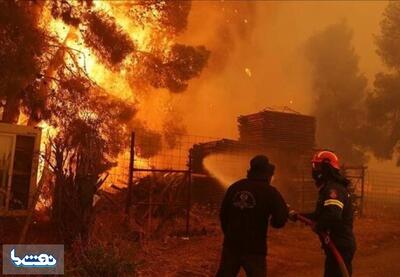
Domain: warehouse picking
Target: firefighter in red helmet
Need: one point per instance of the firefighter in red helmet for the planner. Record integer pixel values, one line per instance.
(333, 214)
(334, 211)
(326, 156)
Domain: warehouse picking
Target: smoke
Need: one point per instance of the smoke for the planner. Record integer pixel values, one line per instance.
(227, 168)
(316, 58)
(257, 57)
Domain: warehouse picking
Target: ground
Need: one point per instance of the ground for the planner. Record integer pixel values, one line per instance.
(293, 251)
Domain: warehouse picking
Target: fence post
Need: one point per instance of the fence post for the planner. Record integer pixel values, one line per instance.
(302, 190)
(189, 196)
(362, 190)
(150, 210)
(130, 175)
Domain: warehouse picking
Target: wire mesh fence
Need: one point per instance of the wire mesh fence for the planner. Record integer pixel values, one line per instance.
(168, 176)
(155, 154)
(382, 194)
(159, 186)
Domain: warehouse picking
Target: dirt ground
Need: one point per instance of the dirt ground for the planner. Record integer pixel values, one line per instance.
(293, 251)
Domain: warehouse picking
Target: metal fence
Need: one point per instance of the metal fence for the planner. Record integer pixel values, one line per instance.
(164, 177)
(374, 193)
(382, 193)
(157, 173)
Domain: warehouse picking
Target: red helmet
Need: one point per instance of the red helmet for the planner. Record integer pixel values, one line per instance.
(326, 156)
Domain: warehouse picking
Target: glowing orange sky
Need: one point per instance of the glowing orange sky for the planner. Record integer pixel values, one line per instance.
(272, 53)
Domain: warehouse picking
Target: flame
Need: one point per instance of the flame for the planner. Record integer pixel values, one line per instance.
(145, 39)
(113, 82)
(116, 83)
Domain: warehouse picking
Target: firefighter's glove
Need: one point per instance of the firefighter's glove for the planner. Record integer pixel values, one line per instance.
(293, 215)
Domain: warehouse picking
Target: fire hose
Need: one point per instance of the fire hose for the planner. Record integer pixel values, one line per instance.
(326, 240)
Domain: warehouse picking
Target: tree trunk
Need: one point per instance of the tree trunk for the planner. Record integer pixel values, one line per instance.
(11, 109)
(56, 62)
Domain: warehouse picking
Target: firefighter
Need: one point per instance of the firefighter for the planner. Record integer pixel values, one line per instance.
(334, 211)
(247, 207)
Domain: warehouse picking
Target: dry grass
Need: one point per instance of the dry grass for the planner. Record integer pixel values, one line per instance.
(293, 251)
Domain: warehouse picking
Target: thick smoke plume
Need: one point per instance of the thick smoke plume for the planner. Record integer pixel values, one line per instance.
(257, 58)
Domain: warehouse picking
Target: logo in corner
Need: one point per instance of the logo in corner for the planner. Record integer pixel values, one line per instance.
(42, 260)
(244, 200)
(32, 259)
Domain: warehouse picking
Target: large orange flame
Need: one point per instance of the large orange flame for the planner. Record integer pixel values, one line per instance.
(113, 82)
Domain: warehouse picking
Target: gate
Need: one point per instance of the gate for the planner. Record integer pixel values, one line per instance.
(159, 187)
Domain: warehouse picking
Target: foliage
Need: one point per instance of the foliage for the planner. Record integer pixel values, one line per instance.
(39, 56)
(22, 45)
(173, 71)
(171, 15)
(382, 130)
(388, 41)
(76, 105)
(173, 129)
(70, 12)
(149, 142)
(97, 259)
(109, 42)
(338, 89)
(383, 111)
(42, 75)
(87, 141)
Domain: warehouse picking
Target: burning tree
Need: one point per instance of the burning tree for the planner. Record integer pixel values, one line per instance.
(84, 147)
(22, 46)
(60, 61)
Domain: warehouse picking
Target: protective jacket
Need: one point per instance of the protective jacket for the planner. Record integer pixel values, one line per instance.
(334, 214)
(247, 207)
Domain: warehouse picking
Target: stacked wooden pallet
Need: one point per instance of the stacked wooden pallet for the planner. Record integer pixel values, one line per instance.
(274, 129)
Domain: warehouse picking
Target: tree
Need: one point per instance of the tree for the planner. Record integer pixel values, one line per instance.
(338, 89)
(388, 42)
(171, 71)
(107, 40)
(382, 131)
(171, 15)
(42, 75)
(84, 148)
(22, 46)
